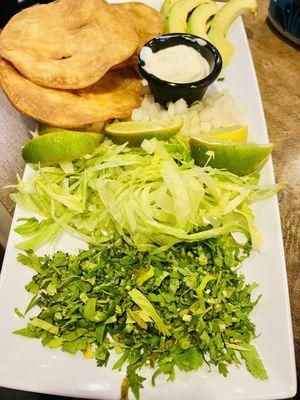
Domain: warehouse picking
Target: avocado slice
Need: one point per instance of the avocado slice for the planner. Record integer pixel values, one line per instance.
(166, 8)
(178, 16)
(197, 23)
(222, 21)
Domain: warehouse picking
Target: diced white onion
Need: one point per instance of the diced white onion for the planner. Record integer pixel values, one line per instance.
(215, 111)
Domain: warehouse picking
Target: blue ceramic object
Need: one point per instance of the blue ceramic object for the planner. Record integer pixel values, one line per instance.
(285, 16)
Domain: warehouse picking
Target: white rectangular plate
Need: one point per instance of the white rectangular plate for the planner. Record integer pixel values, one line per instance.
(25, 364)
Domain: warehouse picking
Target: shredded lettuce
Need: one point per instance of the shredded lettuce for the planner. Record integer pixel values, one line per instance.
(153, 197)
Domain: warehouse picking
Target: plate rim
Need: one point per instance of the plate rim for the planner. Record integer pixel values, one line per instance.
(293, 388)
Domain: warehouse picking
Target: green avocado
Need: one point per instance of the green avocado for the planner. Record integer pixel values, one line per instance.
(222, 21)
(166, 8)
(178, 16)
(198, 21)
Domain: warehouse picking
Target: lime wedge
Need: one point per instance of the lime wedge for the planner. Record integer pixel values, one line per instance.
(43, 129)
(60, 146)
(135, 132)
(238, 158)
(232, 133)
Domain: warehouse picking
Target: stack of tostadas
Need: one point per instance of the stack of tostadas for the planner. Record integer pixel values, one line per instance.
(70, 63)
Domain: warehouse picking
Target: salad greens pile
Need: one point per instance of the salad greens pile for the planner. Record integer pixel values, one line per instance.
(153, 197)
(179, 308)
(159, 283)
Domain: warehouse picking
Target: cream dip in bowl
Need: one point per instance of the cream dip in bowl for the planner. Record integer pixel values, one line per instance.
(179, 66)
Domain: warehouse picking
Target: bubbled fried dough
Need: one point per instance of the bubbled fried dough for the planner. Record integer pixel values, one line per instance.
(114, 96)
(68, 44)
(146, 21)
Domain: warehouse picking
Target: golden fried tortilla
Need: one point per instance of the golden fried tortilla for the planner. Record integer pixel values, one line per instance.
(114, 96)
(146, 21)
(68, 44)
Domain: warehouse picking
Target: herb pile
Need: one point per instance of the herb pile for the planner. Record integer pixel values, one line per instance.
(175, 309)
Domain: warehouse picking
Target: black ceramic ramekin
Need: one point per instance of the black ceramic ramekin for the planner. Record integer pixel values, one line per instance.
(164, 91)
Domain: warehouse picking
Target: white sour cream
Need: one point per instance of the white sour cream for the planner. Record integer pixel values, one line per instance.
(178, 64)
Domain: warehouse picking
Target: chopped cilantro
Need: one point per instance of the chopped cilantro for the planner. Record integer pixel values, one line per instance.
(180, 308)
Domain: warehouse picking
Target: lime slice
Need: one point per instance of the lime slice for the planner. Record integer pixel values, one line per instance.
(238, 158)
(43, 129)
(59, 146)
(135, 132)
(232, 133)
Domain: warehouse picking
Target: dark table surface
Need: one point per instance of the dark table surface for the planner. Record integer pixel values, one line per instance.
(8, 394)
